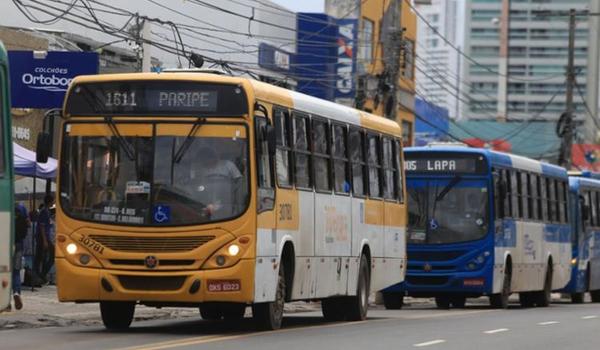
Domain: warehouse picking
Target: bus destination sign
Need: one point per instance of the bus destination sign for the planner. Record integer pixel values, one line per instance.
(443, 165)
(156, 98)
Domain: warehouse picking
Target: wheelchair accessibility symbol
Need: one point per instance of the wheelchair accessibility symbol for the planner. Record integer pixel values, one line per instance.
(433, 224)
(161, 214)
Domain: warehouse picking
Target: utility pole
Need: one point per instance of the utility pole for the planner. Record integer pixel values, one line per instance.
(565, 159)
(393, 47)
(146, 56)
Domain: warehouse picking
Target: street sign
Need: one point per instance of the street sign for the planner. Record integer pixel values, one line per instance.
(41, 79)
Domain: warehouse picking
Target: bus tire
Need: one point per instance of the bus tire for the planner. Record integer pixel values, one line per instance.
(526, 299)
(442, 302)
(458, 301)
(359, 303)
(269, 316)
(577, 298)
(595, 295)
(500, 300)
(544, 297)
(393, 301)
(117, 315)
(334, 309)
(210, 312)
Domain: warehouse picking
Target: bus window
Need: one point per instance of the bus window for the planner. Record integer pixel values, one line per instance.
(301, 151)
(283, 153)
(508, 208)
(388, 169)
(544, 199)
(266, 193)
(498, 205)
(321, 159)
(538, 199)
(515, 197)
(558, 203)
(399, 181)
(357, 157)
(552, 214)
(524, 195)
(533, 197)
(374, 166)
(593, 208)
(340, 159)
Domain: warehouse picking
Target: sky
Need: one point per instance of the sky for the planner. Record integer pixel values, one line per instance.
(302, 5)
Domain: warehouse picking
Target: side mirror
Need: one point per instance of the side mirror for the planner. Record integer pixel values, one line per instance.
(271, 139)
(42, 149)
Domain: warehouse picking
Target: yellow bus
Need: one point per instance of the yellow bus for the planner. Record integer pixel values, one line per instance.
(218, 192)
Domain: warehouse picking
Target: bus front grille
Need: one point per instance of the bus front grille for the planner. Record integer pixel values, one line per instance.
(151, 244)
(434, 256)
(427, 280)
(152, 283)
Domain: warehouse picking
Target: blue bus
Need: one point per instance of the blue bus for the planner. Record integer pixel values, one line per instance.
(483, 223)
(584, 192)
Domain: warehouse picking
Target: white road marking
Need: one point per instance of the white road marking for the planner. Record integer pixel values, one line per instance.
(589, 317)
(494, 331)
(429, 343)
(547, 323)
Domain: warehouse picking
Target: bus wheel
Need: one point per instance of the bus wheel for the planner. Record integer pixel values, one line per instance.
(117, 315)
(595, 295)
(577, 298)
(500, 300)
(393, 301)
(334, 309)
(358, 304)
(544, 297)
(210, 312)
(442, 302)
(458, 302)
(234, 312)
(268, 316)
(526, 299)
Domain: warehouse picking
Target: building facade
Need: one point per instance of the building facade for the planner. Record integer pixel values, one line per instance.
(535, 53)
(438, 79)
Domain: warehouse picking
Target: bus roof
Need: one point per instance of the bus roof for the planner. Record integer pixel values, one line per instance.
(266, 92)
(500, 159)
(576, 182)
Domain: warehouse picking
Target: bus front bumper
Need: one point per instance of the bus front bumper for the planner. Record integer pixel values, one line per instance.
(474, 283)
(81, 284)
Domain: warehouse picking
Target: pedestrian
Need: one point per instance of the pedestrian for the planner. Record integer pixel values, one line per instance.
(44, 257)
(22, 225)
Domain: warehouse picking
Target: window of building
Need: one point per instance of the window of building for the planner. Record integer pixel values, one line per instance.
(407, 59)
(365, 49)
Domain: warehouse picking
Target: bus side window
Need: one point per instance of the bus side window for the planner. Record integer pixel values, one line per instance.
(388, 169)
(597, 208)
(399, 180)
(544, 199)
(284, 150)
(508, 208)
(538, 199)
(374, 161)
(339, 151)
(533, 197)
(561, 200)
(553, 215)
(357, 158)
(515, 198)
(593, 208)
(266, 193)
(302, 166)
(498, 193)
(524, 196)
(321, 158)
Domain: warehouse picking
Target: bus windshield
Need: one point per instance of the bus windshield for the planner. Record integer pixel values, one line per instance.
(447, 211)
(154, 174)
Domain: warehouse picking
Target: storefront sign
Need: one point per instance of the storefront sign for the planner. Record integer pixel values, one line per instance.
(41, 80)
(346, 60)
(273, 58)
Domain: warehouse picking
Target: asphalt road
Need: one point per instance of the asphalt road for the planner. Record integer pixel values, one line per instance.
(560, 326)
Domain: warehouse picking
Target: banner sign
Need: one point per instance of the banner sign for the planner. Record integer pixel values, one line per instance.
(346, 61)
(41, 80)
(273, 58)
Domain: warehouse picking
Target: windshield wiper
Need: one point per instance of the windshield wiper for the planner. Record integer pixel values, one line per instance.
(188, 140)
(122, 143)
(448, 187)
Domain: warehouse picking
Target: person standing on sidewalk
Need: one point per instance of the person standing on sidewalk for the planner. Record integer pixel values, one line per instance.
(45, 231)
(22, 225)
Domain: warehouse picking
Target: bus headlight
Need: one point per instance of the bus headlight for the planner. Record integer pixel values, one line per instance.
(71, 248)
(233, 249)
(228, 255)
(573, 261)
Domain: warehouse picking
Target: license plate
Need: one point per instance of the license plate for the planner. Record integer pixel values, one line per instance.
(474, 282)
(224, 285)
